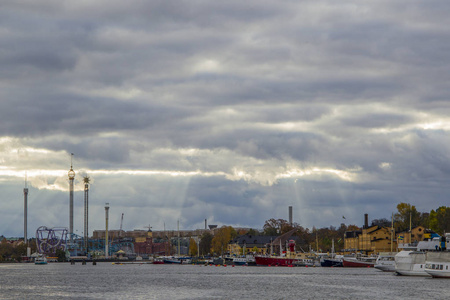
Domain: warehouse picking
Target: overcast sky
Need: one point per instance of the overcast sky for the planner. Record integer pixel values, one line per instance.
(229, 111)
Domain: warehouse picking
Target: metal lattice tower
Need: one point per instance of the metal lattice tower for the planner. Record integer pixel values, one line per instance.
(86, 212)
(71, 178)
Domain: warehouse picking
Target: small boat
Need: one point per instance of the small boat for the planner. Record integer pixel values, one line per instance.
(359, 261)
(331, 262)
(240, 261)
(386, 261)
(40, 260)
(304, 262)
(158, 261)
(172, 260)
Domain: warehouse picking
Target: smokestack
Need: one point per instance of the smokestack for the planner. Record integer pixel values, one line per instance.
(366, 221)
(206, 227)
(106, 231)
(290, 215)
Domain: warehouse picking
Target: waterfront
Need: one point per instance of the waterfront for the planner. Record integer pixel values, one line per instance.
(146, 281)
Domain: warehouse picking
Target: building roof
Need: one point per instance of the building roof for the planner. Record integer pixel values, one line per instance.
(253, 240)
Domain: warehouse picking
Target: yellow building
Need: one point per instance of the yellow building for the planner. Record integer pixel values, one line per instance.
(417, 234)
(370, 240)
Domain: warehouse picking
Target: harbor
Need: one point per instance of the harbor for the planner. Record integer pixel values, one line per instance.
(148, 281)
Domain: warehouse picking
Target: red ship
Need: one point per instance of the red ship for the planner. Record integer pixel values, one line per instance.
(287, 260)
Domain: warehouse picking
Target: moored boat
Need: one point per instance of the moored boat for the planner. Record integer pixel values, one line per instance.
(386, 261)
(331, 262)
(287, 259)
(240, 261)
(40, 260)
(158, 261)
(410, 263)
(437, 264)
(359, 261)
(172, 260)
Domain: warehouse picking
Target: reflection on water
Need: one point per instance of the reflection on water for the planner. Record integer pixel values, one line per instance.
(107, 281)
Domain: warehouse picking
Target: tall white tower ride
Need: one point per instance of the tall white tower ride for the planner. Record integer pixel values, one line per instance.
(86, 212)
(71, 178)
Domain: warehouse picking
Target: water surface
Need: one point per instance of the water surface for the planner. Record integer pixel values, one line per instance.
(146, 281)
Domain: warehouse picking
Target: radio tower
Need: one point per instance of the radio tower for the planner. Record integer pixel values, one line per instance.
(71, 178)
(86, 211)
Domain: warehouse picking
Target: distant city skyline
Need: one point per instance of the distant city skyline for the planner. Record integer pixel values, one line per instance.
(230, 112)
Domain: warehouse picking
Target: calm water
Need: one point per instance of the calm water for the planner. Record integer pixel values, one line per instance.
(107, 281)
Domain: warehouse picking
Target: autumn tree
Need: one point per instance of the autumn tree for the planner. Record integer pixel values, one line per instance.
(193, 249)
(407, 214)
(222, 238)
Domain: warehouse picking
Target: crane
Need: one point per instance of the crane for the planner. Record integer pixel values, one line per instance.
(121, 223)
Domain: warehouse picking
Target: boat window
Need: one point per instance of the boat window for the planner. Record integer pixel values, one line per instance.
(442, 267)
(446, 267)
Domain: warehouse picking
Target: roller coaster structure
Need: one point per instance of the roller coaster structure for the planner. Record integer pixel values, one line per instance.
(49, 240)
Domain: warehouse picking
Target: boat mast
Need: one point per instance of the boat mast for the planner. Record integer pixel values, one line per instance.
(332, 248)
(392, 231)
(410, 236)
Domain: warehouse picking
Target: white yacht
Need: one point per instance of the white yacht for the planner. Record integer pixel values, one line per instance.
(386, 261)
(411, 261)
(438, 264)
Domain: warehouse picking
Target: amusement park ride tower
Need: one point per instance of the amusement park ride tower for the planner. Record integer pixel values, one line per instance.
(71, 178)
(25, 217)
(86, 211)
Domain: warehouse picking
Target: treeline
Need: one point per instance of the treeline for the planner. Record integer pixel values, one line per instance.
(322, 239)
(14, 252)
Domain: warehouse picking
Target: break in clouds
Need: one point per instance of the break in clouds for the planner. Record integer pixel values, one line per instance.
(230, 112)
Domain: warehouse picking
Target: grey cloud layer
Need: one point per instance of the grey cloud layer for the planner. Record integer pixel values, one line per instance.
(260, 87)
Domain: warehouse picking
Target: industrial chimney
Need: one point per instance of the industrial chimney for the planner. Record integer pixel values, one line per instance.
(290, 215)
(366, 221)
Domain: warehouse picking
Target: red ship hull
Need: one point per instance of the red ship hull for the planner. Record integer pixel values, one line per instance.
(274, 261)
(357, 264)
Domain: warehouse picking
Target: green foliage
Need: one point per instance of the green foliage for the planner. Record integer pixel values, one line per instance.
(252, 232)
(61, 255)
(276, 227)
(205, 243)
(439, 220)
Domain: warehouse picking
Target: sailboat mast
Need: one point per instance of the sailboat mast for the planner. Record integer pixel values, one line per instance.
(392, 231)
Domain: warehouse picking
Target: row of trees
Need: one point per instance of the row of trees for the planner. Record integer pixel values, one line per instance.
(321, 239)
(407, 215)
(10, 252)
